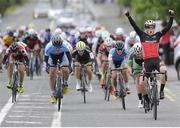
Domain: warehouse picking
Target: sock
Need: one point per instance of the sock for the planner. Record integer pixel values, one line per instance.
(146, 97)
(140, 96)
(78, 81)
(89, 82)
(126, 85)
(162, 87)
(53, 93)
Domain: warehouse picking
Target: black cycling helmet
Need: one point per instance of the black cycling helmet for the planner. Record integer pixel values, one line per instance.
(119, 45)
(150, 24)
(14, 46)
(56, 40)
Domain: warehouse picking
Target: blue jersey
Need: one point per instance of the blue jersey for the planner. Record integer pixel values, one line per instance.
(114, 55)
(52, 50)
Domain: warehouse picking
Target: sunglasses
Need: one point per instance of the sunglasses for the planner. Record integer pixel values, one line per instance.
(119, 49)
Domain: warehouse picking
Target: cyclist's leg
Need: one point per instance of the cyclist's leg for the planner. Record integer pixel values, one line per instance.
(162, 69)
(21, 77)
(10, 71)
(77, 74)
(90, 75)
(113, 80)
(103, 66)
(125, 74)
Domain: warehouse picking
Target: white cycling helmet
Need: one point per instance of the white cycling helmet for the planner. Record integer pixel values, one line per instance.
(108, 41)
(132, 35)
(119, 31)
(98, 33)
(105, 34)
(57, 31)
(137, 48)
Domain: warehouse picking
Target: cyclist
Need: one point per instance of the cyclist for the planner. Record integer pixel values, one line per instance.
(135, 60)
(117, 58)
(150, 43)
(83, 55)
(102, 56)
(131, 40)
(56, 51)
(9, 38)
(34, 43)
(16, 51)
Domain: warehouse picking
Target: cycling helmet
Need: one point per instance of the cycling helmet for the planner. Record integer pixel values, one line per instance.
(119, 31)
(9, 31)
(149, 24)
(57, 40)
(89, 29)
(57, 31)
(132, 35)
(64, 36)
(108, 41)
(80, 46)
(98, 33)
(119, 45)
(32, 32)
(14, 46)
(105, 34)
(137, 48)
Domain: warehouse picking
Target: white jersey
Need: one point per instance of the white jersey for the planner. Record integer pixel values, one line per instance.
(130, 42)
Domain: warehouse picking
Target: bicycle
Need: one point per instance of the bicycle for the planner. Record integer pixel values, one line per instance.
(121, 90)
(83, 80)
(107, 80)
(152, 89)
(59, 86)
(31, 64)
(15, 81)
(37, 65)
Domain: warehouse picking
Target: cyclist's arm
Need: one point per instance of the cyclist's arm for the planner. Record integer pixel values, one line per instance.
(133, 24)
(166, 29)
(110, 60)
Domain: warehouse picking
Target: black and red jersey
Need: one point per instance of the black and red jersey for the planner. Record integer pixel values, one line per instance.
(150, 43)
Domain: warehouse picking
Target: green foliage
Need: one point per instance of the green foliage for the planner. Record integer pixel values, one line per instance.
(5, 4)
(152, 9)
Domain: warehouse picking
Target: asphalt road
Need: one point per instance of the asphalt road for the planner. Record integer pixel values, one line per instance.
(34, 109)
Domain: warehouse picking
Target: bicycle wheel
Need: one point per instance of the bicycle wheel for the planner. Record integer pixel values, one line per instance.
(37, 66)
(14, 88)
(155, 102)
(106, 87)
(31, 70)
(122, 93)
(59, 92)
(83, 90)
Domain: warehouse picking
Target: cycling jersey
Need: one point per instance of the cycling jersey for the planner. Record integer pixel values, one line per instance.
(19, 54)
(150, 43)
(118, 60)
(85, 58)
(102, 50)
(53, 54)
(33, 43)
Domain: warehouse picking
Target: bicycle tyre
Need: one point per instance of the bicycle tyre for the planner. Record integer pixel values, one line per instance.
(83, 90)
(122, 91)
(59, 92)
(155, 102)
(31, 70)
(14, 88)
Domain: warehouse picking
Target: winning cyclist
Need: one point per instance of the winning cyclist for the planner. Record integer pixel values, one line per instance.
(150, 44)
(83, 55)
(56, 51)
(117, 58)
(16, 51)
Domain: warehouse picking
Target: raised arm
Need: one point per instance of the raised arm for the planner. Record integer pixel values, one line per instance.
(166, 29)
(133, 24)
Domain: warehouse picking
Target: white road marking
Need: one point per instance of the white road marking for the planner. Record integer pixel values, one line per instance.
(22, 122)
(32, 107)
(44, 117)
(6, 109)
(57, 117)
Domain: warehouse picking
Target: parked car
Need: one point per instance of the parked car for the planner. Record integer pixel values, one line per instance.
(41, 10)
